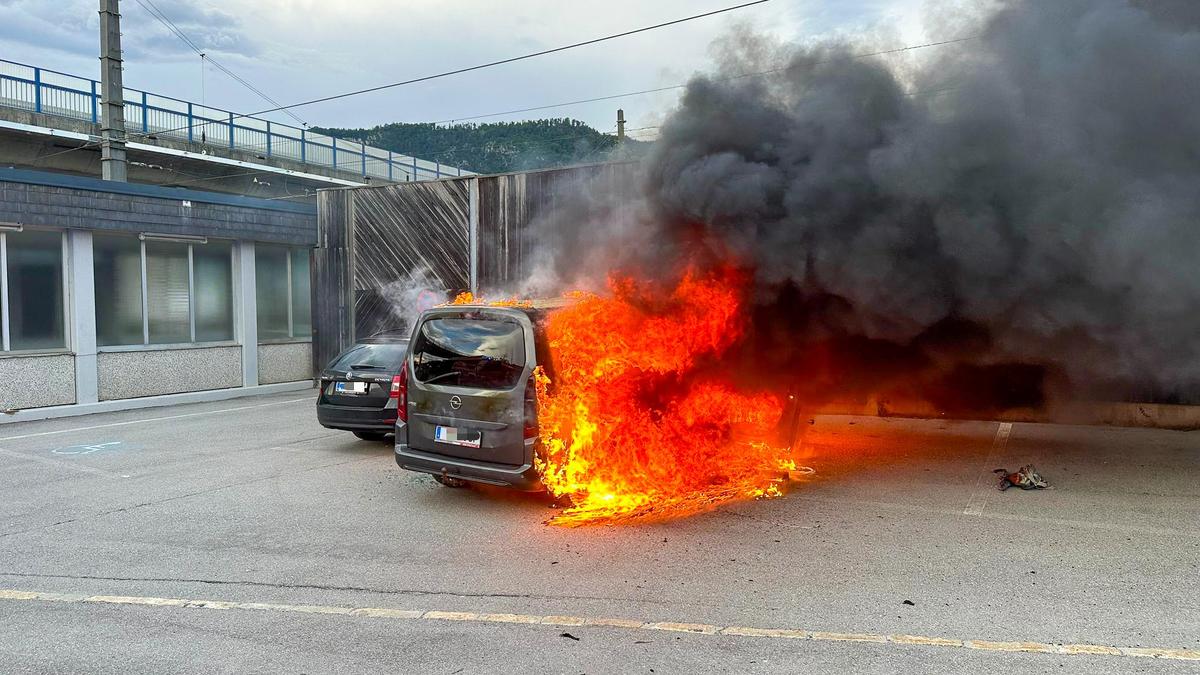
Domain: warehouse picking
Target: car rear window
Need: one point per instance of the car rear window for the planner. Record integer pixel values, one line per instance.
(371, 356)
(482, 353)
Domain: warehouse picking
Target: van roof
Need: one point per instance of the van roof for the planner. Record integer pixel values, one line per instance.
(534, 303)
(450, 309)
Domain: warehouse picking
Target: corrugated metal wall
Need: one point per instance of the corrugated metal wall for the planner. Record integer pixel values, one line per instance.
(392, 231)
(509, 205)
(331, 283)
(399, 229)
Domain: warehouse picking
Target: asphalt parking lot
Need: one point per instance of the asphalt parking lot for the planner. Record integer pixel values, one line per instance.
(241, 536)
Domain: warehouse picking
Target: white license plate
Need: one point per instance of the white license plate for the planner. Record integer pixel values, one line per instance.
(456, 436)
(350, 387)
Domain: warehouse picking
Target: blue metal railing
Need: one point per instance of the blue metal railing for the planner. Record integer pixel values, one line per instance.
(50, 92)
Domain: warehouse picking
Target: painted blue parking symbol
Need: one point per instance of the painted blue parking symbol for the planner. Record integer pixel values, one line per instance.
(91, 449)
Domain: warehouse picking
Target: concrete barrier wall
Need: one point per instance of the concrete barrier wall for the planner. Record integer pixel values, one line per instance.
(131, 374)
(284, 362)
(36, 381)
(1104, 413)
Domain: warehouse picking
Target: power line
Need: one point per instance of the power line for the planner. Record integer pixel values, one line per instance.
(406, 169)
(911, 94)
(685, 84)
(158, 14)
(514, 59)
(448, 73)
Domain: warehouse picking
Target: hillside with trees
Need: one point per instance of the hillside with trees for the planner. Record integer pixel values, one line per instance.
(497, 147)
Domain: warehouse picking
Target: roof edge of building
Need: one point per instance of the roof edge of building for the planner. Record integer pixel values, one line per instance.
(27, 176)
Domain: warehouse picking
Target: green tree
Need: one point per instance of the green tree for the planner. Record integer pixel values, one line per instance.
(496, 147)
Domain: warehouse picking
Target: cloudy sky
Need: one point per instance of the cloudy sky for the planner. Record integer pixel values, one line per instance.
(301, 49)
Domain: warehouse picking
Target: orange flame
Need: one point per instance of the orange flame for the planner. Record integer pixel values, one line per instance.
(633, 427)
(469, 298)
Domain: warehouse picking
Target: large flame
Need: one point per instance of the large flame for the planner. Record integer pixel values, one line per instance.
(636, 421)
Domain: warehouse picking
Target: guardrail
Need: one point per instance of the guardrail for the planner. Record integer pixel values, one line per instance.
(50, 92)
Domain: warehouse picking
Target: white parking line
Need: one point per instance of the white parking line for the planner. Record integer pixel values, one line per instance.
(703, 630)
(155, 419)
(979, 494)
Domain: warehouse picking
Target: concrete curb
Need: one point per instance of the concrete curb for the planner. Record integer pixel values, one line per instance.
(55, 412)
(1090, 413)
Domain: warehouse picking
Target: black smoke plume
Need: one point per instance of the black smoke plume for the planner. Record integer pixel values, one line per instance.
(1012, 214)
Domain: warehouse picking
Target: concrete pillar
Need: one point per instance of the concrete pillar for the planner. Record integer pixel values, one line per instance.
(112, 97)
(81, 296)
(247, 304)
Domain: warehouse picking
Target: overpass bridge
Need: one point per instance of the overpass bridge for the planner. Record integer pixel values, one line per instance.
(50, 121)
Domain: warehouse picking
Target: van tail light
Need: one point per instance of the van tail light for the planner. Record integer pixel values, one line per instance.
(400, 393)
(531, 425)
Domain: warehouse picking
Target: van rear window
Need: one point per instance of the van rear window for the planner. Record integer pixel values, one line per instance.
(482, 353)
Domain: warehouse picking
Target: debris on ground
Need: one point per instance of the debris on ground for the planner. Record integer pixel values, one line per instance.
(568, 636)
(799, 473)
(1026, 478)
(910, 603)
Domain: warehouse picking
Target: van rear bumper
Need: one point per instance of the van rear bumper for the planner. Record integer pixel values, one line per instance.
(523, 477)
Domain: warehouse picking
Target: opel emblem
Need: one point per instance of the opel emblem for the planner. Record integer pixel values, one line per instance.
(455, 402)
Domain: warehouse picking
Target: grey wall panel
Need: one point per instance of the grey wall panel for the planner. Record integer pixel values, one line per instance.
(37, 381)
(331, 284)
(57, 206)
(393, 230)
(168, 371)
(285, 362)
(373, 313)
(503, 211)
(401, 228)
(517, 210)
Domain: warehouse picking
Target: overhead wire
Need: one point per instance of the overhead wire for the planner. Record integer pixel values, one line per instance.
(162, 18)
(673, 87)
(445, 152)
(448, 73)
(406, 169)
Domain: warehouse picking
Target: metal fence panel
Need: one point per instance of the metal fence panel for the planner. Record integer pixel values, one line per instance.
(26, 87)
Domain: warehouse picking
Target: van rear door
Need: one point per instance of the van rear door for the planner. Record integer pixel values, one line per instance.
(470, 369)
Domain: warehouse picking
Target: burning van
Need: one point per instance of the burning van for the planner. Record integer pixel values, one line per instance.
(611, 401)
(468, 396)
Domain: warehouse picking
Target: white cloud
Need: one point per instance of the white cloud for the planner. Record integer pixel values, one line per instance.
(301, 49)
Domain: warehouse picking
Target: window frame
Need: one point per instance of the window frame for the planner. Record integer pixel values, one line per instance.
(6, 305)
(291, 301)
(146, 344)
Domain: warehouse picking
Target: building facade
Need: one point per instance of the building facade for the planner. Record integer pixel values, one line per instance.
(120, 295)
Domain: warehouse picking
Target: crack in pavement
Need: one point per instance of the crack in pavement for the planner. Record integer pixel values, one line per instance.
(365, 589)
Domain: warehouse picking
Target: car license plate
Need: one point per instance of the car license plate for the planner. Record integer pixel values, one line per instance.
(350, 387)
(456, 436)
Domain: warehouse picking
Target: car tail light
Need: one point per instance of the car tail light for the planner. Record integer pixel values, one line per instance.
(400, 393)
(531, 425)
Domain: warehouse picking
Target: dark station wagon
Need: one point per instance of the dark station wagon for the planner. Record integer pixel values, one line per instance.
(360, 389)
